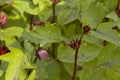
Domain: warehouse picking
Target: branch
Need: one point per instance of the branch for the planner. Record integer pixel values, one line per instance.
(31, 22)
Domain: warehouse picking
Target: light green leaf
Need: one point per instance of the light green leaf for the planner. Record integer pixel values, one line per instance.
(28, 47)
(13, 31)
(87, 52)
(47, 34)
(15, 60)
(65, 53)
(112, 74)
(92, 39)
(105, 32)
(10, 33)
(67, 15)
(45, 10)
(32, 75)
(78, 4)
(23, 75)
(118, 24)
(1, 73)
(25, 6)
(109, 56)
(93, 15)
(113, 16)
(27, 36)
(35, 2)
(93, 74)
(96, 11)
(9, 40)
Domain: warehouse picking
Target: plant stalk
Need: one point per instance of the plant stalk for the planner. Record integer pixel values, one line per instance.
(31, 22)
(53, 9)
(53, 21)
(75, 64)
(35, 59)
(75, 58)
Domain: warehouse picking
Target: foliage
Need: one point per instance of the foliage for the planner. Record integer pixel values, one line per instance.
(89, 29)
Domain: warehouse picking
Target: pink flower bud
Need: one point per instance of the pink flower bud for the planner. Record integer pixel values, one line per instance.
(55, 1)
(43, 54)
(3, 21)
(39, 23)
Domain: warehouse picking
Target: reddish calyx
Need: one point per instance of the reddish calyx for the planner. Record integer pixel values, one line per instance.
(39, 23)
(3, 50)
(55, 1)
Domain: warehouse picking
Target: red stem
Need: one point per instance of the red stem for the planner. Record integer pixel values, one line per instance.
(75, 64)
(53, 7)
(75, 59)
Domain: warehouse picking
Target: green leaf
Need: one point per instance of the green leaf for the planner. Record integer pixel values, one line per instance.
(41, 70)
(53, 71)
(67, 15)
(96, 11)
(109, 56)
(15, 60)
(28, 47)
(3, 68)
(113, 16)
(32, 75)
(13, 31)
(25, 6)
(78, 4)
(23, 75)
(87, 52)
(64, 74)
(45, 10)
(68, 67)
(93, 15)
(93, 74)
(27, 36)
(71, 31)
(92, 39)
(112, 74)
(105, 32)
(118, 24)
(35, 2)
(65, 53)
(10, 33)
(47, 34)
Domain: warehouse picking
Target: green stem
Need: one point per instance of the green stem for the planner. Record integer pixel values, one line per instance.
(31, 22)
(35, 59)
(54, 55)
